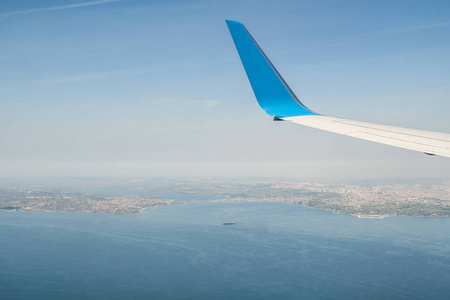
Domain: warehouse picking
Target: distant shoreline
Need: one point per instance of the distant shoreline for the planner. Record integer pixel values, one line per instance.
(219, 201)
(127, 197)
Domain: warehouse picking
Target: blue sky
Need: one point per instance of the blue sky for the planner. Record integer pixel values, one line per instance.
(148, 88)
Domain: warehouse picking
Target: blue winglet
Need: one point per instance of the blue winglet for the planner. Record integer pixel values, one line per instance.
(271, 91)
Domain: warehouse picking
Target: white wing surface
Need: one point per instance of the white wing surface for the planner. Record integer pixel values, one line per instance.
(429, 142)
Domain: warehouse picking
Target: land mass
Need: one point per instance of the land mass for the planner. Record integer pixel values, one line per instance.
(374, 200)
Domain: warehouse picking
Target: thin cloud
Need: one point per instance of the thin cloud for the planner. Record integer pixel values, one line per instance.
(211, 103)
(368, 35)
(424, 26)
(177, 102)
(114, 74)
(388, 32)
(70, 6)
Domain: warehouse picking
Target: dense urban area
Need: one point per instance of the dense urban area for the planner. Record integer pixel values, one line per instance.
(427, 199)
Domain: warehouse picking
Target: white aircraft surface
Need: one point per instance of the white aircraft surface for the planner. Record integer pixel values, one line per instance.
(277, 100)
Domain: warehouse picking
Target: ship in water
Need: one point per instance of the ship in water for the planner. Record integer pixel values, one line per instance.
(371, 216)
(228, 223)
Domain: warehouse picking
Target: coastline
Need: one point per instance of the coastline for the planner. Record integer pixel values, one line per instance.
(225, 200)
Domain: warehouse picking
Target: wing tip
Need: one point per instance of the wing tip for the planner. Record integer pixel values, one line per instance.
(231, 22)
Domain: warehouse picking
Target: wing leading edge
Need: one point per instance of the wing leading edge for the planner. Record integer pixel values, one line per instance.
(277, 99)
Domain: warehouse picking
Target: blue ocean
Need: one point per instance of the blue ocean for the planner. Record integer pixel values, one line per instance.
(183, 251)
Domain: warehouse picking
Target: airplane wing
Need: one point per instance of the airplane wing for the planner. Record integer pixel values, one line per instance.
(277, 99)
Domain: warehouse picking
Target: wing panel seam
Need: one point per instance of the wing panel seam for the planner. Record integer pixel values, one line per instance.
(408, 134)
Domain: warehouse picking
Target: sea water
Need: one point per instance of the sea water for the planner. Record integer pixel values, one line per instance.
(183, 251)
